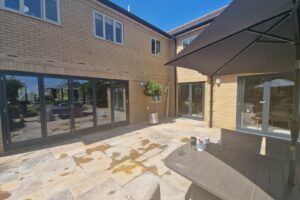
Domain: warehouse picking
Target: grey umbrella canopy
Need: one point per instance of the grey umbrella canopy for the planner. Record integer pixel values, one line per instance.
(237, 28)
(251, 36)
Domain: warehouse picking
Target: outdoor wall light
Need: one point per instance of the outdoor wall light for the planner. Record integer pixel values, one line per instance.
(218, 82)
(142, 83)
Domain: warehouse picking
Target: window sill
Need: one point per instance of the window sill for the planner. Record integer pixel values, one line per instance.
(32, 17)
(111, 42)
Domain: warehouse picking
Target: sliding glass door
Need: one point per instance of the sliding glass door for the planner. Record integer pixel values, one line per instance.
(265, 104)
(38, 107)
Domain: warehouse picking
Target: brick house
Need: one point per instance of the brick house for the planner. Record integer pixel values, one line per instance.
(70, 67)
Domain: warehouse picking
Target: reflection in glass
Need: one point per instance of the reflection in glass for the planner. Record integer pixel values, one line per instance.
(103, 102)
(83, 104)
(109, 30)
(281, 104)
(119, 101)
(23, 102)
(197, 99)
(51, 10)
(252, 105)
(32, 7)
(12, 4)
(57, 105)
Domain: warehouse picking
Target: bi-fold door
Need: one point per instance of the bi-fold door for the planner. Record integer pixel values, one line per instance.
(40, 107)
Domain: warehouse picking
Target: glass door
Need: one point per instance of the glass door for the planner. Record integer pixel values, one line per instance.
(57, 105)
(197, 100)
(191, 100)
(83, 110)
(253, 104)
(120, 101)
(265, 104)
(184, 100)
(281, 105)
(23, 110)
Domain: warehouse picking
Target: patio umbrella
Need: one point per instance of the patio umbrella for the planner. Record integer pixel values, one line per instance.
(251, 36)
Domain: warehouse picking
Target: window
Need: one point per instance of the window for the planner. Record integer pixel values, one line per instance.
(188, 41)
(32, 8)
(44, 9)
(99, 25)
(12, 4)
(155, 46)
(51, 10)
(107, 28)
(119, 32)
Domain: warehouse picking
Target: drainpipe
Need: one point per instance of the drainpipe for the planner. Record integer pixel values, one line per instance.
(211, 101)
(295, 125)
(176, 84)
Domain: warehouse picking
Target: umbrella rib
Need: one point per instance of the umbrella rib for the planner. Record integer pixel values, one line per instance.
(226, 37)
(253, 42)
(272, 36)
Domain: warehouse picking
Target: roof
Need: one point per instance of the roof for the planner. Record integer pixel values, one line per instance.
(201, 21)
(132, 16)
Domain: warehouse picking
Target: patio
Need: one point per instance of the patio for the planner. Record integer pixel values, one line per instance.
(93, 167)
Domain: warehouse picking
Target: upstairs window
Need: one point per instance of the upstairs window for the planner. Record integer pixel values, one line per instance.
(12, 4)
(186, 42)
(51, 10)
(43, 9)
(107, 28)
(155, 47)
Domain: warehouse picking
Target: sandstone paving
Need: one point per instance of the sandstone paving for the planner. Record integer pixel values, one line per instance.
(96, 166)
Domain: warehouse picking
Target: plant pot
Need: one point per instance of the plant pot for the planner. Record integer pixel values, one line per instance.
(153, 118)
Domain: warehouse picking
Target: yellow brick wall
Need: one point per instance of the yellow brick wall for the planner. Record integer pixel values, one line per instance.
(188, 75)
(225, 103)
(71, 49)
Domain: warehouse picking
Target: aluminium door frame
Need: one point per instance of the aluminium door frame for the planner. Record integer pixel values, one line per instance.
(266, 107)
(202, 98)
(126, 84)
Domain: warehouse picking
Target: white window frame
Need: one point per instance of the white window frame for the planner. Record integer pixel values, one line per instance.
(95, 12)
(155, 47)
(43, 11)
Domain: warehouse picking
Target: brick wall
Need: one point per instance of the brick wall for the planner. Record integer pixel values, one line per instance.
(188, 75)
(71, 49)
(225, 103)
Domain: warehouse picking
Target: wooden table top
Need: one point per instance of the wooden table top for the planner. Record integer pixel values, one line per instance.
(224, 172)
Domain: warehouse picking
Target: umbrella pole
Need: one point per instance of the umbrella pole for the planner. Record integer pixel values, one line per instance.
(295, 125)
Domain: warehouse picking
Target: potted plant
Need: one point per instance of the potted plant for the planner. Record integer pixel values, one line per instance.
(153, 90)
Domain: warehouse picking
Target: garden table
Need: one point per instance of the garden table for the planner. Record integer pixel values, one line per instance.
(221, 171)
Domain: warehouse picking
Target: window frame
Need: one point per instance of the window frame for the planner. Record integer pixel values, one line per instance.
(95, 12)
(43, 11)
(155, 46)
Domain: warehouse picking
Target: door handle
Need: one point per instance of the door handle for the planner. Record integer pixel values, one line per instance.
(262, 102)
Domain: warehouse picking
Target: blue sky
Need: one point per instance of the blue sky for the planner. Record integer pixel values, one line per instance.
(168, 14)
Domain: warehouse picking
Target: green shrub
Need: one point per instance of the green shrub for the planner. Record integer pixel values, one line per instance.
(152, 89)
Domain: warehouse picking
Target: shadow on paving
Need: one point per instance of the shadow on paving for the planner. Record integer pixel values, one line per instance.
(87, 138)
